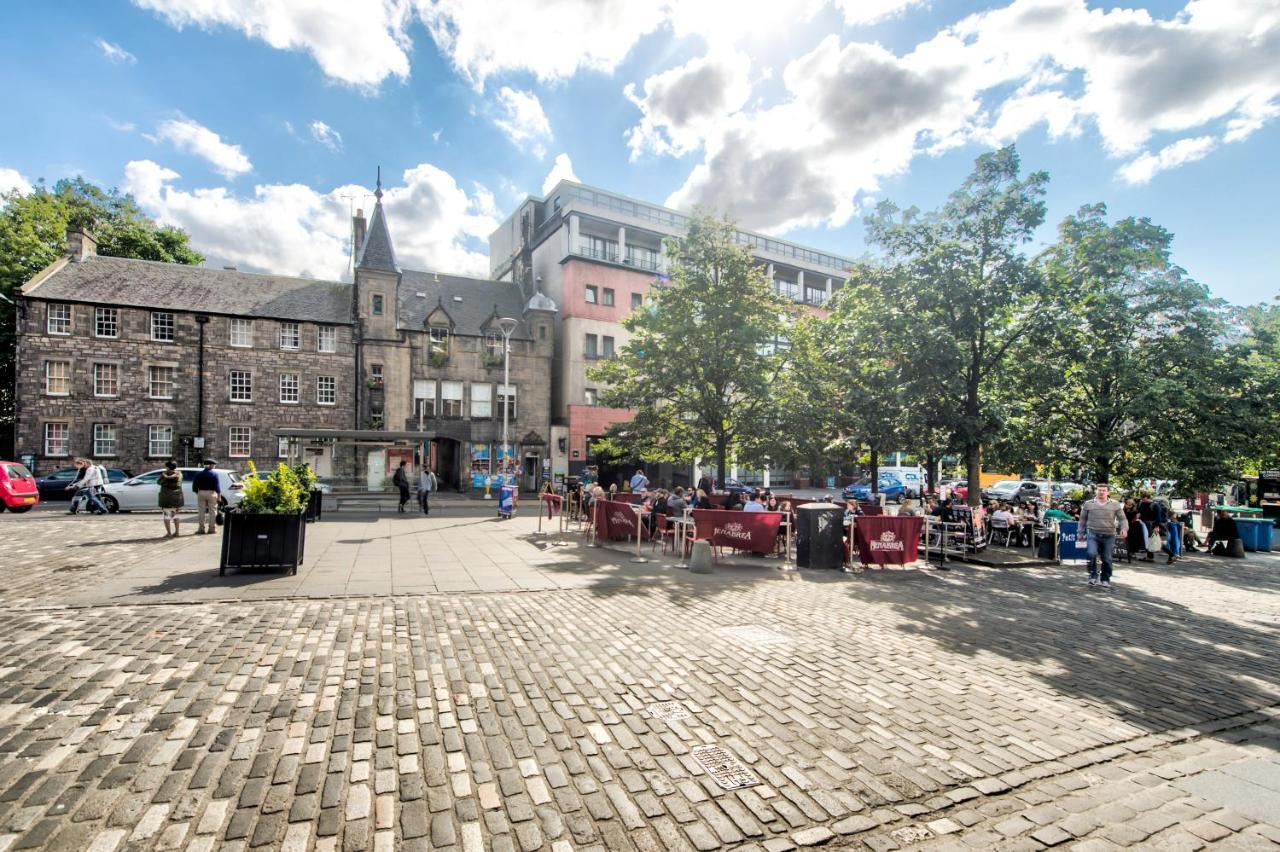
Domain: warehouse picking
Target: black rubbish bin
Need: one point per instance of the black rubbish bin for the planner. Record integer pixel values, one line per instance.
(820, 536)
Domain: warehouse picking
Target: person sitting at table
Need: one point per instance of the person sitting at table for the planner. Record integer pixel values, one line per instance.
(931, 507)
(909, 509)
(1222, 538)
(771, 504)
(676, 503)
(1002, 513)
(753, 503)
(733, 500)
(701, 500)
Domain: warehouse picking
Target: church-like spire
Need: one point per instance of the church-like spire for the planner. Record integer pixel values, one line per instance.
(377, 251)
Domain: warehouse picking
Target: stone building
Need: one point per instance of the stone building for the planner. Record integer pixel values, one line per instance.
(135, 362)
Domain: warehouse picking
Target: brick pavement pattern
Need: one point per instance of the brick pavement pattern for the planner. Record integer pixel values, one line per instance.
(974, 709)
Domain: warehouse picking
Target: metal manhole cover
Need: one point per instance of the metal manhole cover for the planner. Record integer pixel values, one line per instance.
(729, 772)
(754, 635)
(667, 711)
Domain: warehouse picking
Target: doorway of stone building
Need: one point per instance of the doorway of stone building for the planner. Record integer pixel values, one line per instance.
(447, 454)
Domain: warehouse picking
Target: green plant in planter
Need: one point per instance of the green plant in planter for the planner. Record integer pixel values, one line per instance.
(278, 493)
(306, 476)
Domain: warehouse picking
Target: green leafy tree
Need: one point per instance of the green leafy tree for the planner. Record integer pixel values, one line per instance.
(702, 358)
(960, 273)
(33, 234)
(1115, 383)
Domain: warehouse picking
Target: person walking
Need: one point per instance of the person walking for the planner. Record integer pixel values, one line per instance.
(1101, 520)
(87, 483)
(208, 490)
(426, 485)
(170, 499)
(401, 480)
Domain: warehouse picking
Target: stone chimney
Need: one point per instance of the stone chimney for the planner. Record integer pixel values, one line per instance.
(359, 227)
(81, 244)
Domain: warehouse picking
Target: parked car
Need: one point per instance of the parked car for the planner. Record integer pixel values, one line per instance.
(53, 486)
(959, 489)
(142, 492)
(890, 486)
(1013, 491)
(733, 486)
(18, 491)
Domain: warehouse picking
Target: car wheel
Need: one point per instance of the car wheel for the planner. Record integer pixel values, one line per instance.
(17, 510)
(112, 504)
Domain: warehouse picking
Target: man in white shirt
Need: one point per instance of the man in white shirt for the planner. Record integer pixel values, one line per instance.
(426, 485)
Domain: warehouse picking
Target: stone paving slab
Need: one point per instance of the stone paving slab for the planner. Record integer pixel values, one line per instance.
(990, 708)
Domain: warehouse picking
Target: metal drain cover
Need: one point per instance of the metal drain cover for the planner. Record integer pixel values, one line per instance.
(729, 772)
(755, 635)
(667, 711)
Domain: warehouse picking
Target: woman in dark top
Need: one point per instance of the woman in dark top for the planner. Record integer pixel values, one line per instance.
(1223, 533)
(170, 498)
(1136, 541)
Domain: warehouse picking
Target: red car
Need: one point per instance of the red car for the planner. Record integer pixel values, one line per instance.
(18, 492)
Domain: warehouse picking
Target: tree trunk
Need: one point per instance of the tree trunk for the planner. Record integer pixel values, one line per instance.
(875, 471)
(722, 459)
(973, 464)
(1102, 469)
(931, 462)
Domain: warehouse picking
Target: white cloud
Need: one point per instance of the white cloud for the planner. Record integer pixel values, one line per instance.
(11, 179)
(293, 229)
(115, 53)
(357, 42)
(326, 136)
(551, 40)
(523, 120)
(1143, 168)
(561, 169)
(859, 13)
(194, 138)
(855, 113)
(681, 106)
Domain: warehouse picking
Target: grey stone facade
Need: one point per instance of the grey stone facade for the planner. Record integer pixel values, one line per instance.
(83, 393)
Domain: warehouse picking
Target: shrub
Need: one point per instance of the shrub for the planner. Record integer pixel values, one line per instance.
(278, 493)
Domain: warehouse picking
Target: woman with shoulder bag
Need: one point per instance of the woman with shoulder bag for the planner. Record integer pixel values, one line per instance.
(171, 498)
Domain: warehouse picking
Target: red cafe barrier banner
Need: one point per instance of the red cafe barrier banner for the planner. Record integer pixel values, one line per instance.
(553, 502)
(627, 497)
(754, 531)
(616, 521)
(888, 539)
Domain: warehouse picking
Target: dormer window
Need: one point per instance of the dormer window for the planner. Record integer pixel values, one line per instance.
(438, 345)
(493, 346)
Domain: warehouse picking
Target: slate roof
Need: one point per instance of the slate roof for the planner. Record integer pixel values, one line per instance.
(377, 251)
(468, 301)
(173, 286)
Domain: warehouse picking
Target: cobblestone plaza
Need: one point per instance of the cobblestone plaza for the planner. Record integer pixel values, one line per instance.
(454, 682)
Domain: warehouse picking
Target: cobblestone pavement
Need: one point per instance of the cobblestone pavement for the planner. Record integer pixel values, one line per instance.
(974, 709)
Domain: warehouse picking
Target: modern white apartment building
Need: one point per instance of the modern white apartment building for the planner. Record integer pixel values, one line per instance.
(595, 254)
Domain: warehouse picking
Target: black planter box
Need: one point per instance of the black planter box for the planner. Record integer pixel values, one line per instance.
(315, 505)
(263, 541)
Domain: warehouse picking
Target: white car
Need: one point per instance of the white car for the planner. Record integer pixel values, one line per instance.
(143, 492)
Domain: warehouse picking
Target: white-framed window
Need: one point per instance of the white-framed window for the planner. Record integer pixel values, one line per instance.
(163, 326)
(424, 397)
(159, 441)
(636, 300)
(106, 322)
(592, 294)
(451, 399)
(493, 345)
(507, 397)
(327, 338)
(57, 378)
(375, 375)
(290, 388)
(59, 318)
(57, 437)
(438, 339)
(242, 333)
(240, 442)
(161, 382)
(106, 379)
(481, 400)
(290, 335)
(591, 396)
(326, 390)
(241, 386)
(104, 439)
(282, 448)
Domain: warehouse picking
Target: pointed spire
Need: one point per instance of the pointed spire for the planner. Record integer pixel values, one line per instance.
(377, 193)
(377, 251)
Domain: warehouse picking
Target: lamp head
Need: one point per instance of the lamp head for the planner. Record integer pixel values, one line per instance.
(508, 325)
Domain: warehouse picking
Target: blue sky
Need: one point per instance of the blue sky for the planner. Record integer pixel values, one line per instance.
(258, 125)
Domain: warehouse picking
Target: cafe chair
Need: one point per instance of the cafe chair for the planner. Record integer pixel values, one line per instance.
(999, 526)
(662, 532)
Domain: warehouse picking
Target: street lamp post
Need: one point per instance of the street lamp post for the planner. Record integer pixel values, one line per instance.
(507, 325)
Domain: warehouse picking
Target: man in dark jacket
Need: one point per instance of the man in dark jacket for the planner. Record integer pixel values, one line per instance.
(1153, 517)
(208, 490)
(401, 480)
